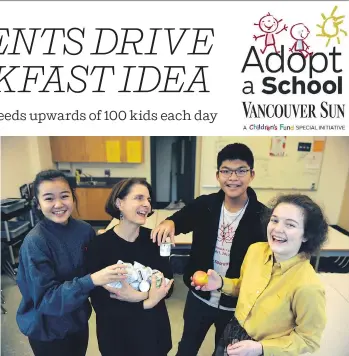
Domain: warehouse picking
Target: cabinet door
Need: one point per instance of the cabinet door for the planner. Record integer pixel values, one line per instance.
(132, 149)
(68, 148)
(105, 149)
(111, 149)
(95, 149)
(91, 202)
(96, 199)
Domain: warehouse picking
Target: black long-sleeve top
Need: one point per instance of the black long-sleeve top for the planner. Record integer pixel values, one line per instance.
(106, 250)
(202, 217)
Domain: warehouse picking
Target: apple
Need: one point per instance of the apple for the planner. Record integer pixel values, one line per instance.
(200, 278)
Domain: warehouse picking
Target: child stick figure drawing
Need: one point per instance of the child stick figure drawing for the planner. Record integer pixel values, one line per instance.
(300, 32)
(269, 24)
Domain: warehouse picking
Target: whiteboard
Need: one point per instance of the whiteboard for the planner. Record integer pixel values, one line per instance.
(280, 162)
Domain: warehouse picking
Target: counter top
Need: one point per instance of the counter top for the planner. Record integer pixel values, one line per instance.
(99, 182)
(85, 185)
(155, 220)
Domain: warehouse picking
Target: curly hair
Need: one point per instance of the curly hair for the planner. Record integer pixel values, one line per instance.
(315, 224)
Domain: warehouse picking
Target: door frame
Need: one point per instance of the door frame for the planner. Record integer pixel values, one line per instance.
(160, 205)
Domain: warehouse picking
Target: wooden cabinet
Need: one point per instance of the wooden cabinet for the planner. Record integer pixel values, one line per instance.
(95, 149)
(91, 203)
(68, 149)
(111, 149)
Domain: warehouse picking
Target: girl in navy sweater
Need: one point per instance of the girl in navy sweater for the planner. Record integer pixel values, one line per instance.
(55, 287)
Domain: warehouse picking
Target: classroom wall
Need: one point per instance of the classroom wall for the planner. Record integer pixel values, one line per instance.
(21, 159)
(343, 220)
(333, 177)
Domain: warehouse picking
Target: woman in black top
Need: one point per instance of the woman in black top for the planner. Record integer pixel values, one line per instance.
(130, 322)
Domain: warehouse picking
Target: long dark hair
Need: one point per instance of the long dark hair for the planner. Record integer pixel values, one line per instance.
(49, 175)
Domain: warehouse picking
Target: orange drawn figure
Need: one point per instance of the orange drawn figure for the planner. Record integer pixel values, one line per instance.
(269, 24)
(300, 32)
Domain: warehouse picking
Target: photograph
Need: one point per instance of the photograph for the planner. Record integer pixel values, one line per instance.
(192, 244)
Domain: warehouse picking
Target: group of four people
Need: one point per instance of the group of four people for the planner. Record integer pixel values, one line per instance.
(262, 294)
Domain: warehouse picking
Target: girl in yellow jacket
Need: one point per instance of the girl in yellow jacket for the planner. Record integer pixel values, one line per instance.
(281, 305)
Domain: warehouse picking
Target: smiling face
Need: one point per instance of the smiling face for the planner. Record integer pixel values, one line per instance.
(268, 24)
(234, 186)
(136, 205)
(299, 31)
(55, 200)
(286, 231)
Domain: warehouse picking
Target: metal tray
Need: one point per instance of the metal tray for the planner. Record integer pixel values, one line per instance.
(16, 228)
(10, 205)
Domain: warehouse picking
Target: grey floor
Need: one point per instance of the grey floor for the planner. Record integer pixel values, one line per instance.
(335, 340)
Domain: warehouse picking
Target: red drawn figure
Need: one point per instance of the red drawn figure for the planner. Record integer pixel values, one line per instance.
(269, 24)
(300, 32)
(226, 234)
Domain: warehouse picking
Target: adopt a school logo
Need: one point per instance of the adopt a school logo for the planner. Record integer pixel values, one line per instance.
(284, 53)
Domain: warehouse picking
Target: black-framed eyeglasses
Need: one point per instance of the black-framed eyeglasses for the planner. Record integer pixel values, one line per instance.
(240, 172)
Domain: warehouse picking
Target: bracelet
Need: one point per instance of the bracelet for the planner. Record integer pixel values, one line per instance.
(220, 288)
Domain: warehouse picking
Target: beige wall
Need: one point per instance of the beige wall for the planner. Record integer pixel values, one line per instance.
(343, 220)
(333, 177)
(21, 159)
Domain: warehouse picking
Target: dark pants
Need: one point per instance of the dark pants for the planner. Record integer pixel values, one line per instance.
(233, 333)
(72, 345)
(198, 318)
(133, 336)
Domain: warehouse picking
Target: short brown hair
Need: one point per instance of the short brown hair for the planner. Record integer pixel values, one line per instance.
(121, 190)
(315, 223)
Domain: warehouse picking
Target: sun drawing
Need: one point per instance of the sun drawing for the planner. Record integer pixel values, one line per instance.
(330, 27)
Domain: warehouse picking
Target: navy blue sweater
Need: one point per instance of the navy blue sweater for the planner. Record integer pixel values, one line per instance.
(52, 279)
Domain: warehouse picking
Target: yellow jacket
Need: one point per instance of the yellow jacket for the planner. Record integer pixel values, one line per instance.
(281, 305)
